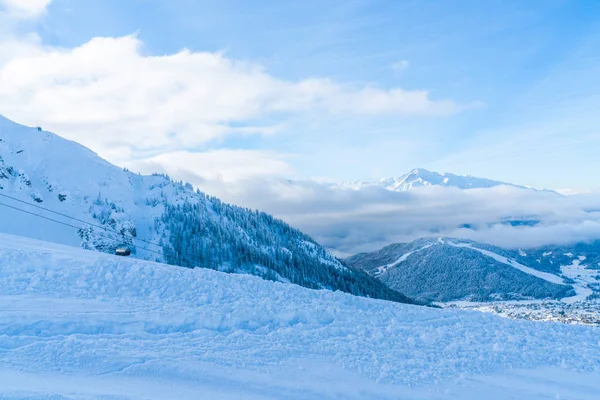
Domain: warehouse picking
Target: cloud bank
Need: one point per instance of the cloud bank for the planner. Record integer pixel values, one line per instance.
(349, 221)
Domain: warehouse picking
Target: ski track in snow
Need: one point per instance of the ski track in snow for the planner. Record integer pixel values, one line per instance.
(542, 275)
(76, 324)
(383, 269)
(582, 277)
(571, 271)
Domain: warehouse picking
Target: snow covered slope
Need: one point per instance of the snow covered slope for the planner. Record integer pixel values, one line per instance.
(159, 219)
(420, 177)
(443, 269)
(76, 324)
(552, 258)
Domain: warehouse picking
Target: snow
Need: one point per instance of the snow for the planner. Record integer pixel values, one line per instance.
(546, 254)
(78, 188)
(573, 271)
(420, 177)
(77, 324)
(522, 253)
(58, 166)
(384, 268)
(582, 278)
(542, 275)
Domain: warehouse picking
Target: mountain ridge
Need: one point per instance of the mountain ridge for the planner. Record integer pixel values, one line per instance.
(421, 177)
(158, 218)
(451, 269)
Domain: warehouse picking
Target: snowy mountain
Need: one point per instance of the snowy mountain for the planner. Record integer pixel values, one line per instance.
(446, 269)
(420, 177)
(77, 324)
(57, 190)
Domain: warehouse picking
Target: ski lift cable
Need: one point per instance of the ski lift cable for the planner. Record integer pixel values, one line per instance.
(78, 220)
(70, 225)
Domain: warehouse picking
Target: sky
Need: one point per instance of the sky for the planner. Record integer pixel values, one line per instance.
(327, 90)
(265, 104)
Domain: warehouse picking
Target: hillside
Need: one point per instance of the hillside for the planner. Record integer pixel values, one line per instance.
(550, 258)
(42, 174)
(77, 324)
(443, 269)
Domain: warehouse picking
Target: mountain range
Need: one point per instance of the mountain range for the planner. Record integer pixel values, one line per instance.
(420, 177)
(450, 269)
(57, 190)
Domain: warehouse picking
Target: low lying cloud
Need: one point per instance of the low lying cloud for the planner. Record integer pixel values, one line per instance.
(349, 221)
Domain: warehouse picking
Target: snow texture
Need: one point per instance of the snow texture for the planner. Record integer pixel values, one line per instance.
(77, 324)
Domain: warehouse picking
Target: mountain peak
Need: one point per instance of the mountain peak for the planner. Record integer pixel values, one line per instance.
(418, 171)
(419, 177)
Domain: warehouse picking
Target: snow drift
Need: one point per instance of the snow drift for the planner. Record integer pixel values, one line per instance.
(77, 324)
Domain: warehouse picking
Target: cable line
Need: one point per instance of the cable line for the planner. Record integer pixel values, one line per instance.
(77, 219)
(106, 229)
(73, 226)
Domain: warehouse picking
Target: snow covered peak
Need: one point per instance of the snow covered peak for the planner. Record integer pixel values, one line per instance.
(44, 155)
(420, 177)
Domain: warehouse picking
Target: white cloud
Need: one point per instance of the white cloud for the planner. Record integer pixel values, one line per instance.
(350, 221)
(110, 96)
(25, 8)
(224, 166)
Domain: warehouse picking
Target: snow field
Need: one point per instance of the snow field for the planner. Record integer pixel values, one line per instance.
(76, 324)
(582, 277)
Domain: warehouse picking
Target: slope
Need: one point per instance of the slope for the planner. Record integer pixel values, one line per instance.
(444, 269)
(158, 218)
(550, 258)
(76, 324)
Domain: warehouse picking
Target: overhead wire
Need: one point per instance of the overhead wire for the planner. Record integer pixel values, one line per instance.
(77, 219)
(74, 226)
(107, 229)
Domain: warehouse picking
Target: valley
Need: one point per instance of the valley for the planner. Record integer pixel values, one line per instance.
(436, 267)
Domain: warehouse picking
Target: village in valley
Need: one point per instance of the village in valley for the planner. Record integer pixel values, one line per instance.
(583, 312)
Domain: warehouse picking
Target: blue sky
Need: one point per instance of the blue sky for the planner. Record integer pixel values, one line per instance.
(522, 78)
